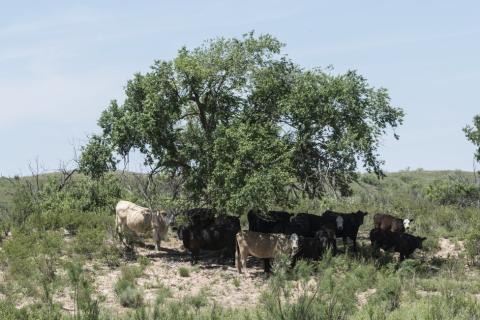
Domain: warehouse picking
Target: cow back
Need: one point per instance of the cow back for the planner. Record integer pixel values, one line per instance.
(133, 216)
(388, 223)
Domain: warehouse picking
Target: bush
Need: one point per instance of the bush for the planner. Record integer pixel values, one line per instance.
(184, 272)
(163, 292)
(89, 242)
(131, 297)
(454, 191)
(126, 289)
(32, 260)
(8, 311)
(86, 307)
(472, 245)
(198, 300)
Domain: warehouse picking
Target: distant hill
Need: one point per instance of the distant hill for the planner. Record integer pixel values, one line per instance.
(402, 180)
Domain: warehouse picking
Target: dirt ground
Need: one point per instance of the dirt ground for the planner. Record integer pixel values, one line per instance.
(449, 249)
(218, 278)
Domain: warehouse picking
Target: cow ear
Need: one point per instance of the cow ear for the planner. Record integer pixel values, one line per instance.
(423, 239)
(411, 220)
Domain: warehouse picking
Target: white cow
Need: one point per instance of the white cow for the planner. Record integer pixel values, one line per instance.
(140, 220)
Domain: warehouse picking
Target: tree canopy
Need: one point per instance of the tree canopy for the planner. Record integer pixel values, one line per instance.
(473, 135)
(241, 125)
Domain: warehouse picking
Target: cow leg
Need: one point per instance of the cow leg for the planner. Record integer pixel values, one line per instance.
(266, 265)
(345, 244)
(157, 241)
(194, 257)
(119, 230)
(243, 255)
(354, 239)
(333, 247)
(244, 263)
(238, 262)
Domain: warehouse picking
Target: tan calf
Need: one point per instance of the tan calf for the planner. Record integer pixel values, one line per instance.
(263, 245)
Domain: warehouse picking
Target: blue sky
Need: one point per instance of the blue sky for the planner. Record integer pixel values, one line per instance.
(62, 62)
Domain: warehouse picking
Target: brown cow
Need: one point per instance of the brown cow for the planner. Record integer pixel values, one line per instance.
(387, 222)
(263, 245)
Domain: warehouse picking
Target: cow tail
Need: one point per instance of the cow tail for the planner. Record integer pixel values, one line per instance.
(237, 254)
(117, 231)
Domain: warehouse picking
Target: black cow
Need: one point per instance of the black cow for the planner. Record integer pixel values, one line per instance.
(307, 224)
(309, 248)
(327, 238)
(351, 224)
(220, 235)
(272, 222)
(196, 217)
(403, 243)
(312, 248)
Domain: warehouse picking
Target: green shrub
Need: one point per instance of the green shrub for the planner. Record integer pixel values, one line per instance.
(144, 261)
(198, 300)
(86, 307)
(89, 242)
(131, 297)
(184, 272)
(472, 243)
(32, 260)
(454, 191)
(126, 289)
(163, 292)
(236, 282)
(8, 311)
(387, 297)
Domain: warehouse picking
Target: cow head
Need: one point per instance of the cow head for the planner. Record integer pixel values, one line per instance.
(406, 223)
(420, 242)
(360, 215)
(339, 222)
(293, 241)
(322, 237)
(158, 218)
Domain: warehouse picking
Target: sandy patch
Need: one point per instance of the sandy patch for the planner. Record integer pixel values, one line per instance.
(449, 249)
(218, 279)
(362, 297)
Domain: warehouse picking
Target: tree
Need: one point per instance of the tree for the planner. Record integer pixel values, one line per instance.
(96, 158)
(473, 135)
(243, 126)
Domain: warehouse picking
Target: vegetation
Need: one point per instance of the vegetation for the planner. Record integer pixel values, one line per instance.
(38, 265)
(184, 272)
(126, 289)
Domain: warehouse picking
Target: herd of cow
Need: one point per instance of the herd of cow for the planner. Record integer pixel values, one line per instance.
(300, 236)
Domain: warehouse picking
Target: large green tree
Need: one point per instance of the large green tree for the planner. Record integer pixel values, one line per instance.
(241, 125)
(473, 135)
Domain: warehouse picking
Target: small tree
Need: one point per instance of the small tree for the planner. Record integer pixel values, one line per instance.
(243, 126)
(473, 135)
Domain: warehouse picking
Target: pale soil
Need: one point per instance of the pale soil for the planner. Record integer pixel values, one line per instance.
(362, 297)
(216, 280)
(216, 277)
(449, 249)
